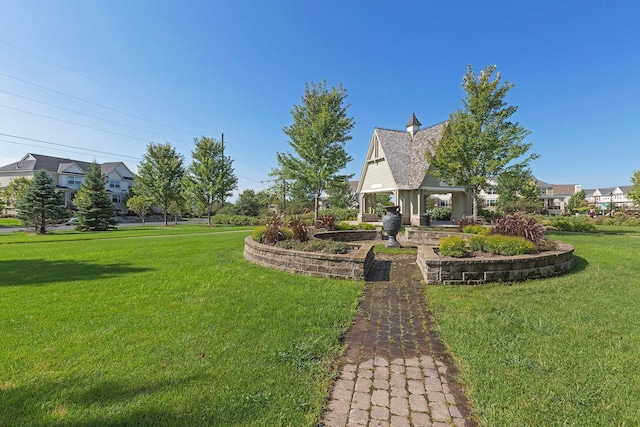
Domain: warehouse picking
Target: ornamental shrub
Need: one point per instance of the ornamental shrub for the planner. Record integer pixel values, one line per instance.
(326, 222)
(476, 243)
(299, 229)
(439, 213)
(366, 226)
(508, 245)
(581, 224)
(476, 229)
(315, 245)
(453, 246)
(273, 230)
(258, 233)
(469, 220)
(519, 225)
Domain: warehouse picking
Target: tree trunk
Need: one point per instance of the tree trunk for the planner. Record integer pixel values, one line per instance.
(209, 215)
(166, 219)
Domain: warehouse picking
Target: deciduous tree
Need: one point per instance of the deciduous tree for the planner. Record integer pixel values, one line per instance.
(41, 205)
(140, 205)
(634, 193)
(160, 176)
(211, 175)
(318, 135)
(480, 141)
(14, 191)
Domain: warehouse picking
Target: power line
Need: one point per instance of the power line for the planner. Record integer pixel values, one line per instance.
(89, 115)
(100, 83)
(73, 123)
(93, 103)
(115, 156)
(67, 146)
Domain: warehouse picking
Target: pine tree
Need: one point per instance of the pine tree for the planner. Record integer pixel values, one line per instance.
(41, 205)
(95, 211)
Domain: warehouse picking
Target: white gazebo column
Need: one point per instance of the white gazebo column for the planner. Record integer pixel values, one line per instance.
(460, 205)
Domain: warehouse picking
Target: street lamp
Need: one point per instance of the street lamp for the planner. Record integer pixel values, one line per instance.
(611, 203)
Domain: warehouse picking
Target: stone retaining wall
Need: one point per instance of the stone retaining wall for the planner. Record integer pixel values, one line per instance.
(352, 267)
(430, 238)
(449, 270)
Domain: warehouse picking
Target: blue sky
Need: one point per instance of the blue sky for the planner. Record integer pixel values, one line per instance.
(171, 71)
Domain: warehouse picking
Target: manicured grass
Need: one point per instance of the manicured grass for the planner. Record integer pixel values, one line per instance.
(380, 248)
(122, 232)
(9, 222)
(560, 351)
(162, 330)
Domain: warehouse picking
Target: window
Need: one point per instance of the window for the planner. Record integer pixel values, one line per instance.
(490, 202)
(444, 203)
(74, 180)
(114, 183)
(491, 190)
(115, 198)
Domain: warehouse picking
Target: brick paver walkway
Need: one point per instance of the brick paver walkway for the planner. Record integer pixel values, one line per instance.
(396, 373)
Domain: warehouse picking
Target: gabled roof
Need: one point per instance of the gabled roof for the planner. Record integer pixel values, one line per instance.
(405, 154)
(34, 162)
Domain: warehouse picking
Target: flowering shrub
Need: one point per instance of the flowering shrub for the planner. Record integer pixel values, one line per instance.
(453, 246)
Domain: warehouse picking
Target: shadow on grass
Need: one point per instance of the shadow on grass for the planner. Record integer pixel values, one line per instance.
(76, 403)
(581, 264)
(40, 272)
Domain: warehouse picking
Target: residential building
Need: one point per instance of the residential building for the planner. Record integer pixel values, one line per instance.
(68, 175)
(602, 198)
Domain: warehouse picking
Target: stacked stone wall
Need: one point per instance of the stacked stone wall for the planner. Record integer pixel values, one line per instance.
(351, 266)
(448, 270)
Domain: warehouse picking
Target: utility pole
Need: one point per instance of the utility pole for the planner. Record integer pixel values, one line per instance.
(222, 142)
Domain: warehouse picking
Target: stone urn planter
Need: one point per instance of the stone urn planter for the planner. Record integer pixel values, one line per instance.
(391, 222)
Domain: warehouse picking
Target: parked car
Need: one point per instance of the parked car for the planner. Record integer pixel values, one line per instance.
(71, 221)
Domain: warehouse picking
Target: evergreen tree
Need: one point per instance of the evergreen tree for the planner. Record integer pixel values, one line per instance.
(95, 210)
(41, 205)
(318, 135)
(479, 141)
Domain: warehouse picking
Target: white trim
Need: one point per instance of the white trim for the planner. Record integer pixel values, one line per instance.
(379, 190)
(443, 189)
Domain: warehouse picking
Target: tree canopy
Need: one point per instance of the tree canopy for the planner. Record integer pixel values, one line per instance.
(41, 205)
(14, 191)
(140, 205)
(318, 135)
(95, 211)
(211, 176)
(634, 193)
(480, 141)
(160, 176)
(518, 192)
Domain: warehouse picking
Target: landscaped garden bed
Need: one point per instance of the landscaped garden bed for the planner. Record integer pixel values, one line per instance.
(352, 266)
(491, 268)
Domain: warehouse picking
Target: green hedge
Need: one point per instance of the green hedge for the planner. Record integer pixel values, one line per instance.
(440, 214)
(581, 224)
(237, 220)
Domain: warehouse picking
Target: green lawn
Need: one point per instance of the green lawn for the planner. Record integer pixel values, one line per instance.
(9, 222)
(162, 326)
(561, 351)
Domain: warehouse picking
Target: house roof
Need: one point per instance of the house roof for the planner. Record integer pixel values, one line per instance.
(413, 121)
(405, 154)
(34, 162)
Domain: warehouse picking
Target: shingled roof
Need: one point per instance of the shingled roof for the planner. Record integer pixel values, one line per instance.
(405, 154)
(34, 162)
